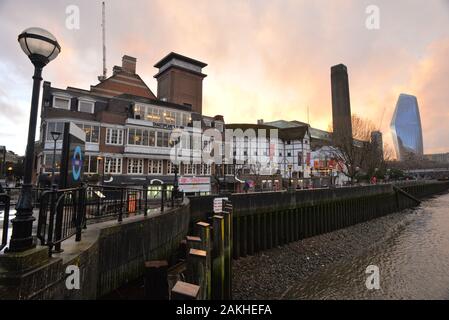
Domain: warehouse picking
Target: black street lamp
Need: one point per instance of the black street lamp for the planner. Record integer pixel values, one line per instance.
(102, 160)
(41, 47)
(175, 139)
(55, 135)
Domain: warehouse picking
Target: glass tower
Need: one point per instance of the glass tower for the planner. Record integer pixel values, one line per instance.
(406, 128)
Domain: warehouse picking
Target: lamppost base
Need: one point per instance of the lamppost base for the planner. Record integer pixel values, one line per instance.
(21, 226)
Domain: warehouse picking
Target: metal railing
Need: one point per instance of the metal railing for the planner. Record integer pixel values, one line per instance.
(14, 193)
(64, 213)
(4, 206)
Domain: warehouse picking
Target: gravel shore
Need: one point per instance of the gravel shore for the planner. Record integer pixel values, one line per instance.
(270, 274)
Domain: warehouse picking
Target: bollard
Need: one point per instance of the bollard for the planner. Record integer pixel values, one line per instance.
(227, 290)
(155, 280)
(185, 291)
(196, 267)
(218, 267)
(204, 233)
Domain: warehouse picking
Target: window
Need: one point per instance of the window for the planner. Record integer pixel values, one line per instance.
(190, 169)
(86, 106)
(169, 117)
(48, 162)
(185, 119)
(162, 139)
(153, 114)
(90, 164)
(92, 132)
(155, 166)
(229, 169)
(205, 169)
(61, 103)
(135, 166)
(139, 112)
(170, 167)
(152, 138)
(54, 126)
(114, 136)
(113, 166)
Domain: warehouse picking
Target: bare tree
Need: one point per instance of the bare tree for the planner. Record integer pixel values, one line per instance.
(357, 153)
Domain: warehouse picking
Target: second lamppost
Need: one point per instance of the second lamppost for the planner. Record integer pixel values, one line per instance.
(55, 135)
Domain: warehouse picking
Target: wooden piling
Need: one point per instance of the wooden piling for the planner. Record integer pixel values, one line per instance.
(155, 280)
(204, 233)
(185, 291)
(218, 265)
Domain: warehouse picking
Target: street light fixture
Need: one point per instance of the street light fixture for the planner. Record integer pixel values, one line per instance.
(55, 135)
(41, 47)
(175, 139)
(100, 158)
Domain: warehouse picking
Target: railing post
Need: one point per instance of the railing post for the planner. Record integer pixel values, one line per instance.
(81, 211)
(6, 201)
(145, 197)
(163, 189)
(59, 211)
(120, 214)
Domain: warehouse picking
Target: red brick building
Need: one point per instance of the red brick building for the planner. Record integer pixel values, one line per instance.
(127, 127)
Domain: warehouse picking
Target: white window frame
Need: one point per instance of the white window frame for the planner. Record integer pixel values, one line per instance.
(62, 97)
(88, 169)
(170, 168)
(155, 164)
(118, 166)
(135, 164)
(92, 102)
(108, 138)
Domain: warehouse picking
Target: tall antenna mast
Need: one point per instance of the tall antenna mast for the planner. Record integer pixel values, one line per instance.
(103, 27)
(308, 119)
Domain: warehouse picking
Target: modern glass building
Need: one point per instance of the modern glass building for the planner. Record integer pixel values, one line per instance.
(406, 128)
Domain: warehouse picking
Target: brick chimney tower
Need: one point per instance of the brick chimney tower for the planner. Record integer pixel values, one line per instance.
(180, 80)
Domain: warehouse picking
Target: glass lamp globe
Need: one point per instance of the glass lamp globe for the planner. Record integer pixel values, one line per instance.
(39, 45)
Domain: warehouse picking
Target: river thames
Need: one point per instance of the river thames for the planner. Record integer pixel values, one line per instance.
(413, 262)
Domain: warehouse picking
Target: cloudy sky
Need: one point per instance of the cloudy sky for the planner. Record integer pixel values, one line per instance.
(268, 59)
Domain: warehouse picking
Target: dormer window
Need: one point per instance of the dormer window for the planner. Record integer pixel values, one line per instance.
(86, 106)
(61, 102)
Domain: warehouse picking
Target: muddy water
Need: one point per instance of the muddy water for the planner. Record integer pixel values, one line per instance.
(413, 263)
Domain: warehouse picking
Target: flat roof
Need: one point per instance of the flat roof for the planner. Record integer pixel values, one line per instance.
(174, 55)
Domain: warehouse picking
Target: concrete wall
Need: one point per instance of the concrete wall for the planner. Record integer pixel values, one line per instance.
(110, 255)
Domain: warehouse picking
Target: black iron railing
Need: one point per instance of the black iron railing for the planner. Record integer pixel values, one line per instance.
(4, 207)
(64, 213)
(14, 192)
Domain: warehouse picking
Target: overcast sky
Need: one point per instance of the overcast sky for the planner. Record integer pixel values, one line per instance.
(267, 59)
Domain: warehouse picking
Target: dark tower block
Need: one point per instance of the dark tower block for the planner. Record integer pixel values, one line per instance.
(180, 80)
(341, 105)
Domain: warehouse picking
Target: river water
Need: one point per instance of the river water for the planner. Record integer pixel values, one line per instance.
(413, 262)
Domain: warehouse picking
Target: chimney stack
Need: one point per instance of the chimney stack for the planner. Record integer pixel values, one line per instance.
(341, 105)
(129, 64)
